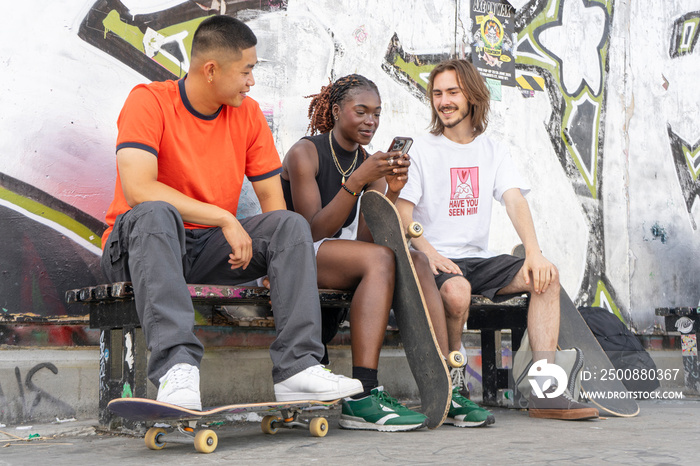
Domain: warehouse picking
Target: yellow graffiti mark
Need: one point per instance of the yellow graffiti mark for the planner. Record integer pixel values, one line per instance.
(130, 34)
(418, 73)
(691, 158)
(604, 300)
(179, 34)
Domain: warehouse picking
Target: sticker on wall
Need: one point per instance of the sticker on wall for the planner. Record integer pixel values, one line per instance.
(689, 345)
(527, 82)
(685, 325)
(495, 90)
(492, 40)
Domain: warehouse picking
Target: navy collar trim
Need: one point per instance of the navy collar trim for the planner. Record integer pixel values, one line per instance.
(190, 108)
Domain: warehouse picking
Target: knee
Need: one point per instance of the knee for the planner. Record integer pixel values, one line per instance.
(456, 295)
(384, 259)
(378, 261)
(290, 223)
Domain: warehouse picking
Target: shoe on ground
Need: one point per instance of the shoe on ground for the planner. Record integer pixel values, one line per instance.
(316, 383)
(180, 386)
(465, 413)
(379, 411)
(562, 407)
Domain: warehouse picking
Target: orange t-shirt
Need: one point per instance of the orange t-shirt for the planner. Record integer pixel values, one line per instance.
(202, 156)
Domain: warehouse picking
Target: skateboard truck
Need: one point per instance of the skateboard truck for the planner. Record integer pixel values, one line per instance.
(318, 426)
(205, 441)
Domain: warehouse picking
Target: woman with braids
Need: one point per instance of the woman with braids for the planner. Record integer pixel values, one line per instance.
(323, 176)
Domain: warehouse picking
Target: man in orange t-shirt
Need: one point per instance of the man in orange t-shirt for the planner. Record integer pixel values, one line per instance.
(182, 152)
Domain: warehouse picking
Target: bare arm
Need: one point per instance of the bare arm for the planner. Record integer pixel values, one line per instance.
(138, 170)
(519, 213)
(438, 262)
(269, 193)
(301, 167)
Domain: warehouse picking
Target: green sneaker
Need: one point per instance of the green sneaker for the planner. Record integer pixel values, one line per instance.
(379, 411)
(465, 413)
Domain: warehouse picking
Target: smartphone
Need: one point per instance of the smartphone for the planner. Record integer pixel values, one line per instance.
(400, 143)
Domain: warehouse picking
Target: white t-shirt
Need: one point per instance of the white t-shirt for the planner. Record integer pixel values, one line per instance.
(453, 186)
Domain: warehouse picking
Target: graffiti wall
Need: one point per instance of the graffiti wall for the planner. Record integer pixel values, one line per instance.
(596, 99)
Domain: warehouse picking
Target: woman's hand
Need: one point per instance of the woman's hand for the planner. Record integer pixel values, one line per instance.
(398, 179)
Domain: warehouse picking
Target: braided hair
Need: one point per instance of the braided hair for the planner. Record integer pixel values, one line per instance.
(321, 106)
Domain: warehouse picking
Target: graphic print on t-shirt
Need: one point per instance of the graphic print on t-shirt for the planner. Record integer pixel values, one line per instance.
(464, 196)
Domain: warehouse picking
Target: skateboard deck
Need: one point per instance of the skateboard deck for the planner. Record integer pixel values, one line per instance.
(205, 441)
(574, 332)
(421, 347)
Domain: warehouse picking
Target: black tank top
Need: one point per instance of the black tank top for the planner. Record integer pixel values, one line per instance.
(328, 178)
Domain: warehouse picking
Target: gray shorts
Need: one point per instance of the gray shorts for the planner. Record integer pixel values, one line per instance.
(485, 275)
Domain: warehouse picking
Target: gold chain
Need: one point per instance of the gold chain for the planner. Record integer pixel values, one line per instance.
(347, 172)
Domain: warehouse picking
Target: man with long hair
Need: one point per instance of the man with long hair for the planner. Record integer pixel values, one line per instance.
(477, 170)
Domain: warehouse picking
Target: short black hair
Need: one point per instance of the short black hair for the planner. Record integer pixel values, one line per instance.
(221, 32)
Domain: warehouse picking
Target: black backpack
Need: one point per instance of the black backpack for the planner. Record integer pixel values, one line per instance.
(623, 349)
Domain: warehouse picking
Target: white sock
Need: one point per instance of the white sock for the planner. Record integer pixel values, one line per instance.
(463, 350)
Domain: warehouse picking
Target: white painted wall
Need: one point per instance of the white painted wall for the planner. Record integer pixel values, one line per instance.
(60, 97)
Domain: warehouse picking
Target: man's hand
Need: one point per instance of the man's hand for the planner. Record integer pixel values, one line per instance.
(439, 263)
(543, 271)
(240, 242)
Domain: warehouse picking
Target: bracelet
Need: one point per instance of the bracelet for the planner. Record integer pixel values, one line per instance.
(348, 190)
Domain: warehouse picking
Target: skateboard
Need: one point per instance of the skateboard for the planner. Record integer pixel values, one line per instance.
(574, 332)
(422, 351)
(205, 441)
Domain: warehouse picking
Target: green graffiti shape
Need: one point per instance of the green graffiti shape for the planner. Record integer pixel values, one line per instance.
(54, 216)
(690, 157)
(604, 300)
(551, 64)
(133, 36)
(414, 71)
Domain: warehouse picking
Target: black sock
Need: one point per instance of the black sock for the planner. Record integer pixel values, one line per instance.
(369, 380)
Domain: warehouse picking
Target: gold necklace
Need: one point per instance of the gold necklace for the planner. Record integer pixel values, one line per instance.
(349, 171)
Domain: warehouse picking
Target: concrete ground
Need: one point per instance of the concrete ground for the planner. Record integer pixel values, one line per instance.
(42, 384)
(663, 433)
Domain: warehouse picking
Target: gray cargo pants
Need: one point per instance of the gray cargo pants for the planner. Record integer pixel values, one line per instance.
(150, 247)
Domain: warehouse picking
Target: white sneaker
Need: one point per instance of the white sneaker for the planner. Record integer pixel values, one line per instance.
(180, 386)
(316, 383)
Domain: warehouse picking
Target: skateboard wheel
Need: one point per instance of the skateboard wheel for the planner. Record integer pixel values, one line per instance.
(205, 441)
(456, 359)
(318, 427)
(267, 424)
(415, 229)
(154, 438)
